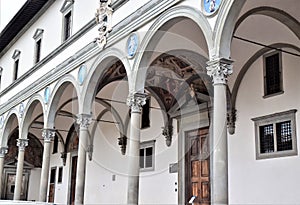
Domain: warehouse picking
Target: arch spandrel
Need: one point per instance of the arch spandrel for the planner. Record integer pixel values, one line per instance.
(156, 31)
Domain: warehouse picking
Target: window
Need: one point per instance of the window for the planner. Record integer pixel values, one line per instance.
(146, 115)
(38, 43)
(60, 175)
(147, 156)
(52, 175)
(273, 73)
(55, 144)
(67, 18)
(16, 57)
(276, 135)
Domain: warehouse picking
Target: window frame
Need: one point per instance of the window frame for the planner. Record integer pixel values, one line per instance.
(274, 119)
(38, 36)
(266, 94)
(143, 146)
(66, 9)
(16, 58)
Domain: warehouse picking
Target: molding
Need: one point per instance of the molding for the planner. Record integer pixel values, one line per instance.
(140, 17)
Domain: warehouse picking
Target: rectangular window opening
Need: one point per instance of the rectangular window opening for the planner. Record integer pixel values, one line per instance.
(67, 25)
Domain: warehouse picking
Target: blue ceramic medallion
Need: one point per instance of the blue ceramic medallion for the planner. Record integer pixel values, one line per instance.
(46, 94)
(81, 74)
(211, 6)
(132, 45)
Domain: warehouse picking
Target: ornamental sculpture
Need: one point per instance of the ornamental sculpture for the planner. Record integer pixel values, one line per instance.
(104, 21)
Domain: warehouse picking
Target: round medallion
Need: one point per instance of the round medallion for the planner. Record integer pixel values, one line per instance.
(46, 94)
(81, 74)
(21, 109)
(132, 45)
(211, 6)
(1, 121)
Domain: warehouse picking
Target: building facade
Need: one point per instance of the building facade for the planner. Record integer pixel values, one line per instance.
(151, 102)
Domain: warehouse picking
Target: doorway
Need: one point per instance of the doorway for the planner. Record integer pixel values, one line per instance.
(198, 166)
(73, 180)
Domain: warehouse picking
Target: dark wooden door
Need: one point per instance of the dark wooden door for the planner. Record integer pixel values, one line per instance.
(197, 166)
(73, 180)
(51, 193)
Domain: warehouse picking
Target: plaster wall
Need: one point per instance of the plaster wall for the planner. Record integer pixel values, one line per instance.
(34, 184)
(265, 181)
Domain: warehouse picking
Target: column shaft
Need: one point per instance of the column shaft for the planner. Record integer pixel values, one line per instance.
(48, 136)
(134, 159)
(219, 69)
(135, 101)
(219, 154)
(83, 122)
(19, 175)
(3, 151)
(1, 173)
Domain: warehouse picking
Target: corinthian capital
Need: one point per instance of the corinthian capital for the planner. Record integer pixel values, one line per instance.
(219, 70)
(84, 120)
(136, 102)
(22, 143)
(48, 134)
(3, 151)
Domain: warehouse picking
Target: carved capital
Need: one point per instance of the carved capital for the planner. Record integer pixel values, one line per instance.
(48, 135)
(3, 151)
(90, 150)
(84, 120)
(22, 144)
(219, 70)
(136, 102)
(123, 143)
(63, 156)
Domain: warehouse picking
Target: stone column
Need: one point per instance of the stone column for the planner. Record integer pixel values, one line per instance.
(48, 135)
(3, 152)
(135, 102)
(219, 70)
(83, 120)
(21, 143)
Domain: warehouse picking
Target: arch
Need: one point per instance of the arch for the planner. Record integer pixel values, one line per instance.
(146, 45)
(97, 70)
(248, 64)
(56, 96)
(7, 126)
(274, 13)
(26, 121)
(223, 31)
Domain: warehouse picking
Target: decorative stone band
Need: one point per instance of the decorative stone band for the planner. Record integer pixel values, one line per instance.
(219, 69)
(136, 101)
(22, 143)
(84, 120)
(3, 151)
(48, 134)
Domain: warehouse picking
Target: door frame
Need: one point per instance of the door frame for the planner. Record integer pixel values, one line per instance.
(182, 149)
(71, 154)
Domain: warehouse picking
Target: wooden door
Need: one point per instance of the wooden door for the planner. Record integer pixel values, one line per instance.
(197, 166)
(51, 193)
(73, 180)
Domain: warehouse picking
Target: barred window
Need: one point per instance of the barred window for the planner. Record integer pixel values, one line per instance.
(276, 135)
(273, 73)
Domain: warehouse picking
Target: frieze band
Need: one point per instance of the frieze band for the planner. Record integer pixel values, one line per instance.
(136, 102)
(219, 70)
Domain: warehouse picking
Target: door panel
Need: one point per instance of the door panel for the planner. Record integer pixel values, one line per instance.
(198, 166)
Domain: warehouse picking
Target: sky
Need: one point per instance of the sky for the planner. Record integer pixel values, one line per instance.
(8, 8)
